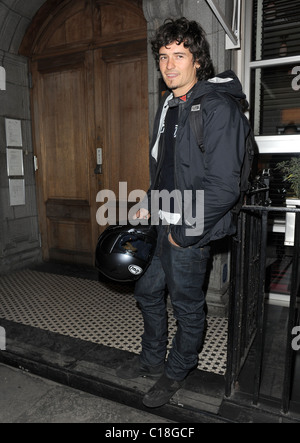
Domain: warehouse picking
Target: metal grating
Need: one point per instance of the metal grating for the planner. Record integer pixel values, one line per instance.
(95, 312)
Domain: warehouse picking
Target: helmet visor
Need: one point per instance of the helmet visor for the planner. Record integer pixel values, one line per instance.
(133, 245)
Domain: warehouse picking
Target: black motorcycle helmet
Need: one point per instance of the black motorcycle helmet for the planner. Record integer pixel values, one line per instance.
(124, 252)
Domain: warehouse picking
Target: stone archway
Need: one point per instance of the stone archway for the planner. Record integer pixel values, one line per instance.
(15, 18)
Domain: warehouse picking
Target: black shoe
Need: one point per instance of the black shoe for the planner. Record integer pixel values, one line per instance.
(134, 368)
(161, 392)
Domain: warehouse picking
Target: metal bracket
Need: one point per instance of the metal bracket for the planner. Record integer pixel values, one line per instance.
(35, 163)
(233, 32)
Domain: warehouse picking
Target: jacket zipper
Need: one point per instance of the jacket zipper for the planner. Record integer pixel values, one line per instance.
(175, 162)
(161, 150)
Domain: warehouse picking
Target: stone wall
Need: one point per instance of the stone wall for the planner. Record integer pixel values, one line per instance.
(19, 232)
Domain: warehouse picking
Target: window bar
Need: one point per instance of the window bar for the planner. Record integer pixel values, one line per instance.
(260, 307)
(292, 320)
(258, 56)
(275, 62)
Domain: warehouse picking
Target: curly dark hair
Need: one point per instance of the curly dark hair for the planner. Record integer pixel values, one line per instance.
(193, 36)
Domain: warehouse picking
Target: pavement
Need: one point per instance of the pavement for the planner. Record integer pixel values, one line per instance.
(26, 398)
(48, 377)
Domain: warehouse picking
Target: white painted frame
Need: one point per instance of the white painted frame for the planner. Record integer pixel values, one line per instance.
(280, 144)
(233, 31)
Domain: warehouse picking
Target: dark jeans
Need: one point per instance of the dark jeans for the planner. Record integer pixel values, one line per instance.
(182, 271)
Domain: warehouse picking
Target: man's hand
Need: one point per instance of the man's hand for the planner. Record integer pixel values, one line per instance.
(142, 214)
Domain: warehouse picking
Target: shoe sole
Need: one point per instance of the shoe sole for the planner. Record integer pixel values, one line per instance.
(152, 405)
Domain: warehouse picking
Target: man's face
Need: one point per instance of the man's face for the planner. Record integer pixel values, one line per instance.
(178, 68)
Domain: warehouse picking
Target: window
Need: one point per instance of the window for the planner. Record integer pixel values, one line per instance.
(273, 87)
(273, 34)
(275, 59)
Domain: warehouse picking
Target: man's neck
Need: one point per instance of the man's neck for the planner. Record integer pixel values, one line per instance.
(179, 95)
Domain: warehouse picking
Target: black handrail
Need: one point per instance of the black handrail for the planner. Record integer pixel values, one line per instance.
(249, 258)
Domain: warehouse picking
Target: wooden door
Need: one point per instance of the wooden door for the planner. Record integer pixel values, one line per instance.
(65, 133)
(89, 91)
(84, 102)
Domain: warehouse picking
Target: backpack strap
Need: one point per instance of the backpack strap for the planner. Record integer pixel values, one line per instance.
(251, 149)
(196, 121)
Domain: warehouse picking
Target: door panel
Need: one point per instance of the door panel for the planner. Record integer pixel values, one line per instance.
(61, 108)
(128, 124)
(68, 228)
(65, 139)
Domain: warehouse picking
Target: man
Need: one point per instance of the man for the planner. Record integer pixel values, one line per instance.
(177, 163)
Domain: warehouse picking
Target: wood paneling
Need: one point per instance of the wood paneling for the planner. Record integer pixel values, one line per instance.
(89, 70)
(128, 115)
(69, 25)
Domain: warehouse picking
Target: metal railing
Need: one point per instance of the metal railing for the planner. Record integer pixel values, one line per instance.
(248, 296)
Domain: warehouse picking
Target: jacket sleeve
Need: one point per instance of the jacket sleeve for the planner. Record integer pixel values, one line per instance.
(225, 131)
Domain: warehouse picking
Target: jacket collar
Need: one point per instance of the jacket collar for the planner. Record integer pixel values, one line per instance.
(176, 101)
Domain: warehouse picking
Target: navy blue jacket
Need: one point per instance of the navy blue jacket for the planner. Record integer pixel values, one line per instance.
(216, 171)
